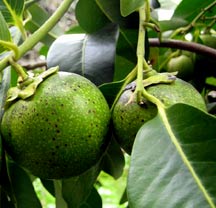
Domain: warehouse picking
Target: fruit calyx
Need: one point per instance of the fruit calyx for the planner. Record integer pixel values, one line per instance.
(153, 79)
(27, 87)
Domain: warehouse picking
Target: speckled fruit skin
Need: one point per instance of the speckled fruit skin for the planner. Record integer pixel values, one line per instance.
(127, 119)
(59, 132)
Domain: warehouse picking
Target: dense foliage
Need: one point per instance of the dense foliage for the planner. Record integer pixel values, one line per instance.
(116, 42)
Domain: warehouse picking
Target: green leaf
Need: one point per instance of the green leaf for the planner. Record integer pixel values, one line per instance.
(186, 10)
(110, 90)
(13, 12)
(173, 160)
(49, 185)
(76, 190)
(89, 16)
(4, 32)
(113, 160)
(12, 9)
(37, 20)
(22, 187)
(111, 9)
(92, 55)
(129, 6)
(93, 201)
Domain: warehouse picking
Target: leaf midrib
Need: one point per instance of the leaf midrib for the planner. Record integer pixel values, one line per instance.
(163, 115)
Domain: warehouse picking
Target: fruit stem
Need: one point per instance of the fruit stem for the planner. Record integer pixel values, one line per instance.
(144, 17)
(20, 71)
(31, 41)
(129, 78)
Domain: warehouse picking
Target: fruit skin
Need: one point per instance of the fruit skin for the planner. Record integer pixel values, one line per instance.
(127, 119)
(60, 131)
(183, 64)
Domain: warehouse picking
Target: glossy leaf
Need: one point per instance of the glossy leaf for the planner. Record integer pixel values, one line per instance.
(173, 161)
(89, 16)
(93, 201)
(22, 187)
(110, 90)
(92, 55)
(76, 190)
(111, 9)
(129, 6)
(113, 160)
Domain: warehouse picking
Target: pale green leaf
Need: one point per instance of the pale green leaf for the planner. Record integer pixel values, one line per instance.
(173, 161)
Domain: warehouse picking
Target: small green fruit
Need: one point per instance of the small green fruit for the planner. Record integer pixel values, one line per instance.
(61, 130)
(183, 64)
(128, 118)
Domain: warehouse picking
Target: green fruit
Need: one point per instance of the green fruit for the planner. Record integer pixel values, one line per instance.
(128, 118)
(183, 65)
(60, 131)
(209, 40)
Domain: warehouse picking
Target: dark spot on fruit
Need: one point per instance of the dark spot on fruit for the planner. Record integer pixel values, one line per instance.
(75, 89)
(57, 146)
(89, 135)
(65, 145)
(53, 153)
(58, 131)
(62, 105)
(53, 138)
(89, 111)
(142, 120)
(121, 117)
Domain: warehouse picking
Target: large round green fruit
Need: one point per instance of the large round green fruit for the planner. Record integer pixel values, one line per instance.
(60, 131)
(129, 117)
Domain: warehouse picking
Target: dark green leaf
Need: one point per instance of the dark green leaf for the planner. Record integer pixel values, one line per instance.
(4, 199)
(111, 9)
(129, 6)
(22, 187)
(187, 10)
(127, 44)
(92, 56)
(173, 160)
(49, 185)
(76, 190)
(123, 67)
(4, 86)
(113, 161)
(89, 16)
(110, 90)
(93, 201)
